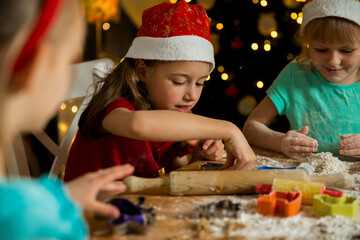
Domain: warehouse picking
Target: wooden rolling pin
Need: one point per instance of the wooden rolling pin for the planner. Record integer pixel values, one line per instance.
(225, 182)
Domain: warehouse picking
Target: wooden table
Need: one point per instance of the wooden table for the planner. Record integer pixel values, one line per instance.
(174, 218)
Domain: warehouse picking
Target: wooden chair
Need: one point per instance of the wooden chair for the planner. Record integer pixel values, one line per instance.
(81, 88)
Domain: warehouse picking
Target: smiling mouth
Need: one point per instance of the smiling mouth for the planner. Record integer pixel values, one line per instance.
(332, 70)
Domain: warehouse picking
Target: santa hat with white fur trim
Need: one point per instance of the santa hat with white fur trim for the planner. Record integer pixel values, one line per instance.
(348, 9)
(174, 32)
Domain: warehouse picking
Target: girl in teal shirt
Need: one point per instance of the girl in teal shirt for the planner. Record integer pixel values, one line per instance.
(319, 92)
(38, 41)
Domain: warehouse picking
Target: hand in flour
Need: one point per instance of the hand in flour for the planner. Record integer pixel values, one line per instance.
(209, 149)
(350, 145)
(295, 143)
(85, 189)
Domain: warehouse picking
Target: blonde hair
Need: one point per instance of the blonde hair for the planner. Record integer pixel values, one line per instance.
(327, 30)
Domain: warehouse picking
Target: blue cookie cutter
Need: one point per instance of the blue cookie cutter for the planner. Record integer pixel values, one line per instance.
(133, 218)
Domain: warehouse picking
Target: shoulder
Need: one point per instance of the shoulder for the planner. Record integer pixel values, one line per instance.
(39, 208)
(119, 103)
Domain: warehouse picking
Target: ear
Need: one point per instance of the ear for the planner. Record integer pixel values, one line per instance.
(141, 69)
(34, 68)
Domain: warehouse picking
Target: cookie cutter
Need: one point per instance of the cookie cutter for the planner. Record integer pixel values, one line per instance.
(133, 218)
(220, 209)
(279, 203)
(308, 189)
(211, 166)
(346, 206)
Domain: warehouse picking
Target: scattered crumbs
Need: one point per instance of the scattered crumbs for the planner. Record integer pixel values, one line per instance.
(261, 160)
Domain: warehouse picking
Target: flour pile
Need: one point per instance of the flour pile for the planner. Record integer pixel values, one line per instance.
(326, 163)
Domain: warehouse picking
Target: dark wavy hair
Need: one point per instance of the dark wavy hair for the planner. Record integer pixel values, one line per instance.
(122, 82)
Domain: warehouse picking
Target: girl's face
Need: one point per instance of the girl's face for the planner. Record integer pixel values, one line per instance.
(51, 84)
(336, 62)
(176, 85)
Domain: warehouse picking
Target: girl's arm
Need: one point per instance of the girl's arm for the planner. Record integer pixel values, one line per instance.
(257, 131)
(173, 126)
(256, 128)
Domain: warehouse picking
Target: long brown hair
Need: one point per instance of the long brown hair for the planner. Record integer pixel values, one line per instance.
(122, 82)
(327, 30)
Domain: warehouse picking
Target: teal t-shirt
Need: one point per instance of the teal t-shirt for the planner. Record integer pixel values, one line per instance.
(330, 110)
(39, 209)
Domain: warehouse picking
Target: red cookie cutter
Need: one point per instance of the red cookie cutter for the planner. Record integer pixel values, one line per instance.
(281, 203)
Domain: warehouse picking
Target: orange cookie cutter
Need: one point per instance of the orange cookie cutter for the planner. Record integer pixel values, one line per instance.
(279, 203)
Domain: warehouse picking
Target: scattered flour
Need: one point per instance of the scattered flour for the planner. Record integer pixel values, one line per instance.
(305, 225)
(261, 160)
(326, 163)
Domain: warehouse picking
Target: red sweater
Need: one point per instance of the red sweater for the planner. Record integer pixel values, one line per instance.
(88, 155)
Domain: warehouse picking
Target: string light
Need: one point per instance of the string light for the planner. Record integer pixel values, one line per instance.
(220, 69)
(300, 18)
(173, 1)
(267, 45)
(263, 3)
(63, 106)
(293, 15)
(254, 46)
(259, 84)
(63, 127)
(219, 26)
(224, 76)
(74, 109)
(208, 78)
(274, 34)
(255, 1)
(106, 26)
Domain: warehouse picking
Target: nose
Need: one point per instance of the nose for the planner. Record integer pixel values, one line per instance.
(334, 58)
(192, 93)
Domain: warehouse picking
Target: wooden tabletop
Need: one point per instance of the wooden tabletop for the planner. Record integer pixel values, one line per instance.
(175, 220)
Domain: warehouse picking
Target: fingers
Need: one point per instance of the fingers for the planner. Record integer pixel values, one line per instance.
(244, 161)
(115, 187)
(350, 145)
(113, 173)
(351, 152)
(229, 163)
(346, 136)
(296, 143)
(304, 130)
(213, 149)
(104, 209)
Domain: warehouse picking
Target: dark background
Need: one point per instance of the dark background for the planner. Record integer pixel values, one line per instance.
(243, 65)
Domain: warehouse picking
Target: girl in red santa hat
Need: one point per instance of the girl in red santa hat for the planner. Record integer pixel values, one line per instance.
(319, 91)
(140, 112)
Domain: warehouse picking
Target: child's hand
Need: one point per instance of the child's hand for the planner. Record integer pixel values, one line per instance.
(240, 155)
(85, 189)
(350, 145)
(296, 143)
(209, 149)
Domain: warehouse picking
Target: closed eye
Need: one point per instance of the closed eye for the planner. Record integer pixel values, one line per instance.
(178, 83)
(347, 51)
